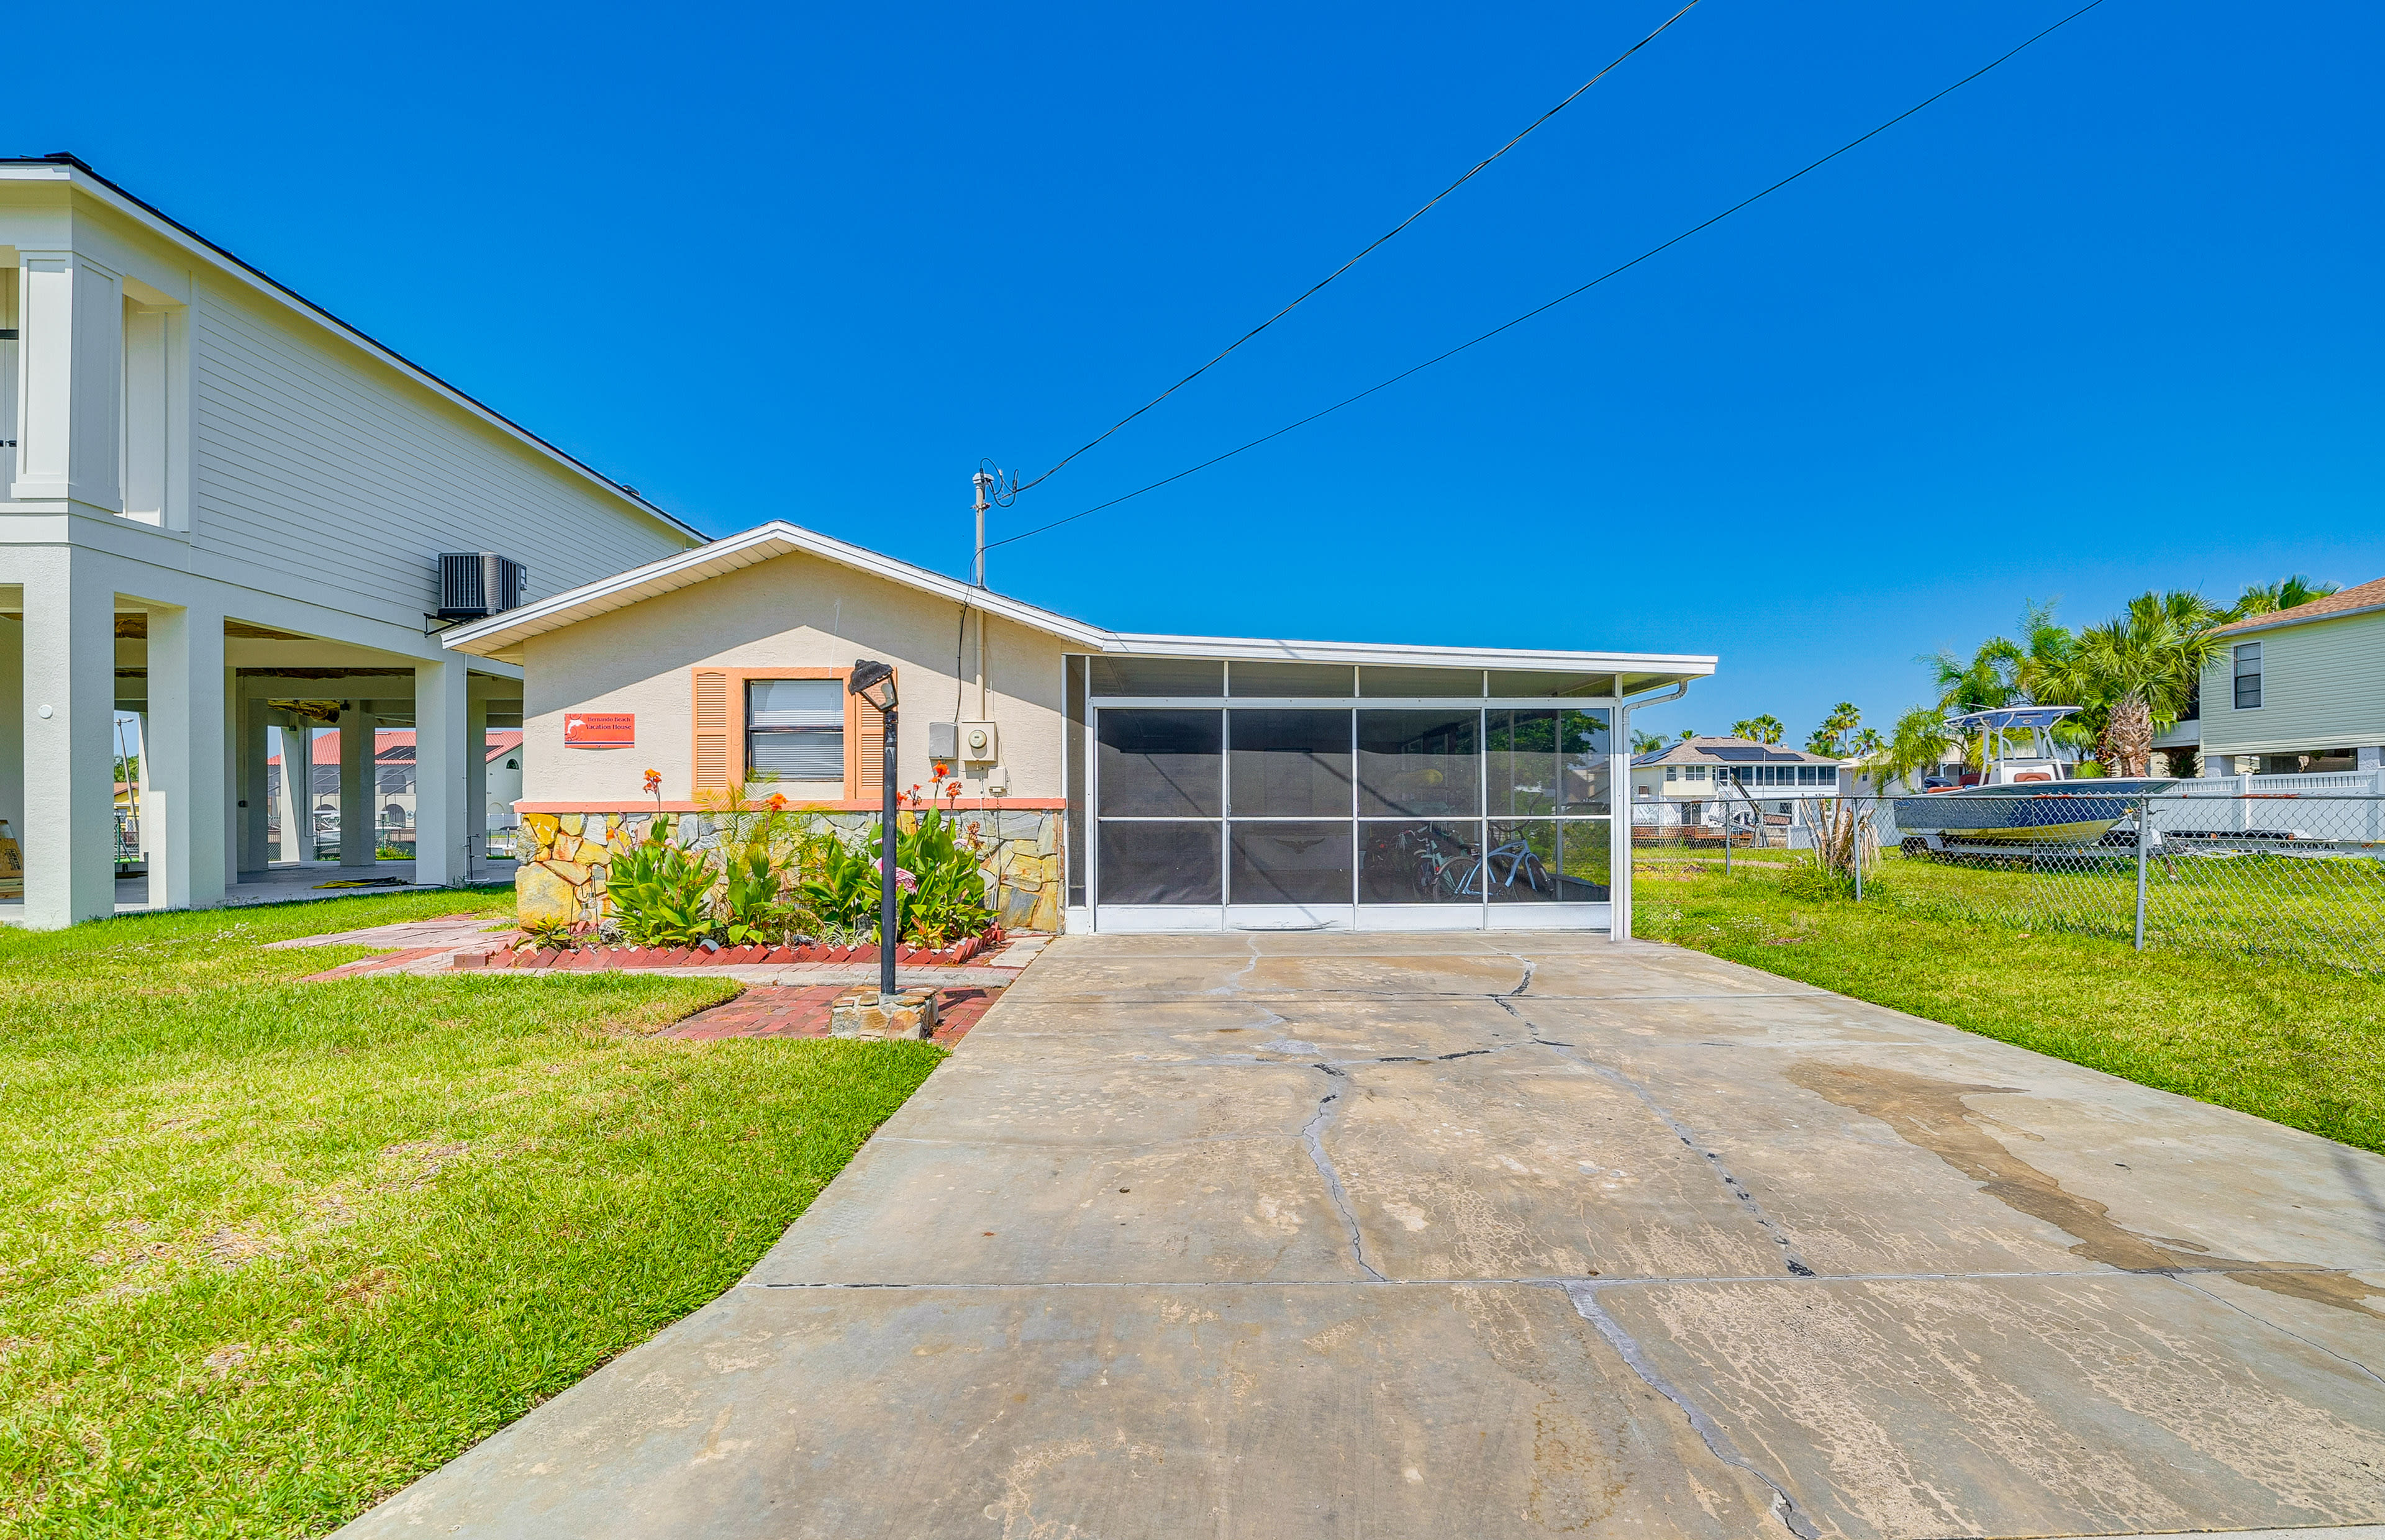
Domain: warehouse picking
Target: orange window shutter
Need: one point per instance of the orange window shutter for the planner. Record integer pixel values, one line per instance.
(871, 776)
(712, 734)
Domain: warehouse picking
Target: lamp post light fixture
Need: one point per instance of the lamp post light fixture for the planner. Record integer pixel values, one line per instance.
(874, 682)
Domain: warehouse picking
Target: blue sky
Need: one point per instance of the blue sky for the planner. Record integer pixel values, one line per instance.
(2105, 319)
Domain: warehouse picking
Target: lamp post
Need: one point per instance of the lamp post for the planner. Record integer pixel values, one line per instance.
(874, 682)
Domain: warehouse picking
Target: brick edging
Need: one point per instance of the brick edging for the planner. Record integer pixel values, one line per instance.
(594, 959)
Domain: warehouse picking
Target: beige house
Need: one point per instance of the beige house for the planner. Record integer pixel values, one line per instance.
(2299, 690)
(1116, 781)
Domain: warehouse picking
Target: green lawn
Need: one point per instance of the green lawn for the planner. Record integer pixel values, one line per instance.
(2300, 1045)
(269, 1249)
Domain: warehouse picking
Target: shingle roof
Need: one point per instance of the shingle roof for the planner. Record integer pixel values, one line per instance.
(2368, 596)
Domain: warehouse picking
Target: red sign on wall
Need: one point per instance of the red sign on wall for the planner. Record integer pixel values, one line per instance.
(600, 729)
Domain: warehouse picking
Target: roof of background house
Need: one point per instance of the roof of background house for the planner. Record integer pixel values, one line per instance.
(501, 741)
(183, 235)
(503, 634)
(2368, 596)
(1729, 750)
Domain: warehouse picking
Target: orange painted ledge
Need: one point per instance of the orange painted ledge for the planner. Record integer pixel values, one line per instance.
(965, 804)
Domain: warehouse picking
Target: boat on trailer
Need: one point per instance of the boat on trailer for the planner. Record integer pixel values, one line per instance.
(2032, 797)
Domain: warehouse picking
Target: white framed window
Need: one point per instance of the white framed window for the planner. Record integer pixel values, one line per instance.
(794, 729)
(2248, 675)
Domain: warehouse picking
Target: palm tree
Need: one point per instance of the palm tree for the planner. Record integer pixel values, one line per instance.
(1920, 741)
(1831, 737)
(1759, 729)
(2135, 674)
(2295, 591)
(1866, 744)
(1647, 743)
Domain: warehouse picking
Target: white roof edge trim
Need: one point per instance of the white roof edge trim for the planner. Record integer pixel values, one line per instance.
(164, 226)
(765, 543)
(1261, 649)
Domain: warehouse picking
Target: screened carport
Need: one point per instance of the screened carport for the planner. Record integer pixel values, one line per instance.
(1301, 793)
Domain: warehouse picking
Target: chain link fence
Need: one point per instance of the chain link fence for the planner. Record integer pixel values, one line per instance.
(2296, 875)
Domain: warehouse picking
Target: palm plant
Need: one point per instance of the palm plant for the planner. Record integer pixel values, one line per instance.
(1759, 729)
(1648, 742)
(2136, 672)
(1866, 744)
(2267, 600)
(1831, 737)
(1920, 741)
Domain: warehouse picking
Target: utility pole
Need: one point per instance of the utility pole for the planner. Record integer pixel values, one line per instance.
(981, 481)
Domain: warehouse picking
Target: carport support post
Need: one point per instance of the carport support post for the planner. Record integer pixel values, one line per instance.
(182, 745)
(440, 755)
(358, 787)
(68, 833)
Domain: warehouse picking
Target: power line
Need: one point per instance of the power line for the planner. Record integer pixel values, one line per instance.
(1362, 255)
(1570, 293)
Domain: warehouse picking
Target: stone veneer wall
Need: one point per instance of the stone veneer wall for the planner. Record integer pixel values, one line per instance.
(561, 878)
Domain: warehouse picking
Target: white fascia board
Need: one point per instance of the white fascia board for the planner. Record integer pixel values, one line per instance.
(1269, 650)
(91, 185)
(767, 543)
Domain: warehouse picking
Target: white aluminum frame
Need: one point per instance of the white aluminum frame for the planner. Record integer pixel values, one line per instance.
(1483, 915)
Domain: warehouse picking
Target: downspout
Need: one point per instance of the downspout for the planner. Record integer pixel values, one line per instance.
(1619, 903)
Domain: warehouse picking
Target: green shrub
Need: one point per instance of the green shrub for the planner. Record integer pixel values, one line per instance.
(661, 892)
(754, 906)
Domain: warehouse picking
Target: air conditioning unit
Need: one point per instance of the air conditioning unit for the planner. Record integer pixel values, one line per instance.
(476, 583)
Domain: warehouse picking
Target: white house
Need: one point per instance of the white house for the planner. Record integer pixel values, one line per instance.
(2298, 692)
(1111, 781)
(219, 500)
(1702, 781)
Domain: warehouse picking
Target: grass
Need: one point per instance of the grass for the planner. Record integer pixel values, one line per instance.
(269, 1249)
(2297, 1044)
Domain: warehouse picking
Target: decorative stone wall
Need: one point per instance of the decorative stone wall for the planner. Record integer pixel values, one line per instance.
(561, 879)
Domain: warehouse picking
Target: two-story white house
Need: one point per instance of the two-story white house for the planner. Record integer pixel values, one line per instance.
(2300, 691)
(222, 507)
(1705, 782)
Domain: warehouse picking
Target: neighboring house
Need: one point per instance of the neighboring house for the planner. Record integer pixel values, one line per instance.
(217, 502)
(1698, 782)
(2299, 690)
(393, 799)
(1114, 782)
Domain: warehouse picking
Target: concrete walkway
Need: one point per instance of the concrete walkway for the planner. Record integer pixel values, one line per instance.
(1445, 1236)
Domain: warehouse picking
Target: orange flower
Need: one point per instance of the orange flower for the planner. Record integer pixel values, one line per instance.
(653, 781)
(778, 802)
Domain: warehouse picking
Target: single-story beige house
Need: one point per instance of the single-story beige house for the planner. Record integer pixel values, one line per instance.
(1116, 781)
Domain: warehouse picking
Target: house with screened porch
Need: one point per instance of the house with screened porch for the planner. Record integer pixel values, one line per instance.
(1113, 781)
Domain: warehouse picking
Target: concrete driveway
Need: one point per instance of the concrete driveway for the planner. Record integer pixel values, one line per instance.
(1497, 1235)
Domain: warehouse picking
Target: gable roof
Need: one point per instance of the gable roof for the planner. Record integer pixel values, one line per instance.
(71, 170)
(500, 635)
(2368, 596)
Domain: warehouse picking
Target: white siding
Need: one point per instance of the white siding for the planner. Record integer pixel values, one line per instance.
(336, 474)
(2322, 687)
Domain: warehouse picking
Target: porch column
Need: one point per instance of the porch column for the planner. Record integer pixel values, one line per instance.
(441, 793)
(297, 787)
(183, 755)
(68, 834)
(358, 785)
(255, 747)
(475, 780)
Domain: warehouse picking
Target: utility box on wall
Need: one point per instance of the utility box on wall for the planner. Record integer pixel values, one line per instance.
(473, 584)
(963, 742)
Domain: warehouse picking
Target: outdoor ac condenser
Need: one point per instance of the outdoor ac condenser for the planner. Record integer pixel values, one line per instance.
(476, 583)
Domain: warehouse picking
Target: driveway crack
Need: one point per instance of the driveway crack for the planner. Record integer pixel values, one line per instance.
(1784, 1507)
(1681, 1130)
(1312, 1134)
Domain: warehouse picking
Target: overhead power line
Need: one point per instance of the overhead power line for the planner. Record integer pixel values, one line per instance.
(1307, 294)
(1570, 293)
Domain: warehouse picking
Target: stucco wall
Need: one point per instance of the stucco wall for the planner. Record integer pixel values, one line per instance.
(795, 612)
(2322, 687)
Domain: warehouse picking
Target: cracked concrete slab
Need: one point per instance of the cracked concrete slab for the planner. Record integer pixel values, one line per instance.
(1316, 1234)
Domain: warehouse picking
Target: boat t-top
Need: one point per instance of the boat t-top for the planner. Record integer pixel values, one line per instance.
(2030, 798)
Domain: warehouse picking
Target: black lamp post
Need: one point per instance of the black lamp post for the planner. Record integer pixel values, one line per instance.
(874, 682)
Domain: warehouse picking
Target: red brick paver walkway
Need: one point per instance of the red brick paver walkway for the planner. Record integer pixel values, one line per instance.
(777, 1011)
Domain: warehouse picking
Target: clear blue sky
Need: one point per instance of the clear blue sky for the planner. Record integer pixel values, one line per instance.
(2108, 318)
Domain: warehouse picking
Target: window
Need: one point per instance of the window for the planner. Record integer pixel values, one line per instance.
(794, 729)
(2248, 675)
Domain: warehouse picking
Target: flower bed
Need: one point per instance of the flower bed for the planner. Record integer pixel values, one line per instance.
(591, 959)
